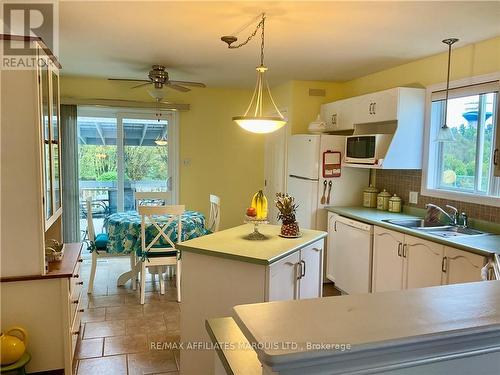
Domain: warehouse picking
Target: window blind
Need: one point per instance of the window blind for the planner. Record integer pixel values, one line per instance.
(458, 92)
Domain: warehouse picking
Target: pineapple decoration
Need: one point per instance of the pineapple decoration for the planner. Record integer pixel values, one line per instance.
(287, 208)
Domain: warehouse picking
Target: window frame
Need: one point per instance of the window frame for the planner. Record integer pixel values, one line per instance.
(430, 179)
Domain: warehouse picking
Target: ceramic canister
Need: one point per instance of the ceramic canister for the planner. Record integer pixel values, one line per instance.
(383, 200)
(395, 204)
(370, 197)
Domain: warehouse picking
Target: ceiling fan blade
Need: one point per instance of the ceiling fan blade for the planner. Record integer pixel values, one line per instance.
(142, 84)
(177, 87)
(128, 80)
(188, 83)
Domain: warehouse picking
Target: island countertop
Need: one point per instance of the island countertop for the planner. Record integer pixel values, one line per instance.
(232, 244)
(436, 321)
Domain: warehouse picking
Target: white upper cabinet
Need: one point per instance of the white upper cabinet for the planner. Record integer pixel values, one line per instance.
(339, 115)
(377, 107)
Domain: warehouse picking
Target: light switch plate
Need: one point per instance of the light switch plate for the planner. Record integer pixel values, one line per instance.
(413, 197)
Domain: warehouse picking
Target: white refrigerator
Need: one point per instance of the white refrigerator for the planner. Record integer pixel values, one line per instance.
(307, 184)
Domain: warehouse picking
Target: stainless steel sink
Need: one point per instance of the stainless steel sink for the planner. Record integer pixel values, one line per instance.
(436, 229)
(415, 223)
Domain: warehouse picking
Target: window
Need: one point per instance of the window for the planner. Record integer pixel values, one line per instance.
(464, 169)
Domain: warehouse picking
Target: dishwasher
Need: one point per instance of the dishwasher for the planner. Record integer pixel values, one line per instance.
(350, 253)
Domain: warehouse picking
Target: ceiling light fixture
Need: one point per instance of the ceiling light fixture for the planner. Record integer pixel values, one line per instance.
(445, 134)
(253, 120)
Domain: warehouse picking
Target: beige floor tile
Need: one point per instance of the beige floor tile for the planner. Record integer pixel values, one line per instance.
(106, 301)
(160, 307)
(124, 312)
(104, 329)
(104, 365)
(94, 315)
(126, 344)
(89, 348)
(151, 362)
(151, 324)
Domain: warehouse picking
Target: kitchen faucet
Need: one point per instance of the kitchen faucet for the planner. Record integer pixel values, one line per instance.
(453, 217)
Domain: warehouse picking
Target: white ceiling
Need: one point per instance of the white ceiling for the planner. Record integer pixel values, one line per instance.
(333, 41)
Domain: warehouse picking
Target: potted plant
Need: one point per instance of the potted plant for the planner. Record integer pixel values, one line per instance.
(287, 209)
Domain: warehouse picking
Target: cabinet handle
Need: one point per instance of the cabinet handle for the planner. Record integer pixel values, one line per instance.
(316, 249)
(400, 245)
(374, 108)
(335, 226)
(75, 302)
(299, 271)
(303, 269)
(405, 250)
(76, 333)
(76, 276)
(444, 264)
(81, 310)
(495, 157)
(370, 109)
(334, 119)
(79, 283)
(80, 260)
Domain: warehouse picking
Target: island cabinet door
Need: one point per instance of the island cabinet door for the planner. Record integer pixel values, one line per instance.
(461, 266)
(424, 262)
(282, 278)
(311, 268)
(388, 261)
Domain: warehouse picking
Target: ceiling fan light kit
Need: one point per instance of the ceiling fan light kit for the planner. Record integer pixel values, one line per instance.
(445, 134)
(253, 120)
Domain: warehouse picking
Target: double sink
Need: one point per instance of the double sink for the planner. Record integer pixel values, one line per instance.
(436, 229)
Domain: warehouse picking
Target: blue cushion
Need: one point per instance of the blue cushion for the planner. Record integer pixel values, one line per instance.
(101, 241)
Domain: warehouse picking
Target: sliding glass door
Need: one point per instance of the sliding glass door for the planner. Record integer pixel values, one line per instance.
(121, 153)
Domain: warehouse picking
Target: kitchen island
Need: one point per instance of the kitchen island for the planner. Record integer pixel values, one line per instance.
(452, 329)
(225, 269)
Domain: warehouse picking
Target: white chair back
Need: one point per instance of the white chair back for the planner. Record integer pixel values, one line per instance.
(214, 218)
(149, 216)
(90, 220)
(152, 198)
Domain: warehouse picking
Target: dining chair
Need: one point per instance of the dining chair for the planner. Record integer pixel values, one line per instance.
(99, 246)
(152, 198)
(153, 252)
(214, 218)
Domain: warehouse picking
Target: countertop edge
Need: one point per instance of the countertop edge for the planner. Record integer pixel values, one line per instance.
(247, 259)
(343, 211)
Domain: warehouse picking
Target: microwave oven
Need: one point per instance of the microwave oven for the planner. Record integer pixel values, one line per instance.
(366, 148)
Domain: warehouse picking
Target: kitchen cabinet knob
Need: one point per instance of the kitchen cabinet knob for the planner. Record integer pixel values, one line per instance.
(81, 310)
(400, 245)
(76, 276)
(79, 283)
(75, 302)
(80, 260)
(76, 333)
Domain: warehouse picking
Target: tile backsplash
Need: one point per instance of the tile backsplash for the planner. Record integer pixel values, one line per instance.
(401, 182)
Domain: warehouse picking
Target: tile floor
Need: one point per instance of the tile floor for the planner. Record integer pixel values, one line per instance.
(119, 334)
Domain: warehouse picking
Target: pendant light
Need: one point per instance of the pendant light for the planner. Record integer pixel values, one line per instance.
(445, 134)
(253, 120)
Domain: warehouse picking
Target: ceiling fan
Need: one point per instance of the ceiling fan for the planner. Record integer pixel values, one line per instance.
(158, 77)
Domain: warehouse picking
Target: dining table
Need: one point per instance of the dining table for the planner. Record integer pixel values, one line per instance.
(124, 233)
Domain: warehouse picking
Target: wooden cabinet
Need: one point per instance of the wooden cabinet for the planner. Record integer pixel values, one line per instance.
(388, 261)
(403, 262)
(424, 260)
(297, 276)
(461, 266)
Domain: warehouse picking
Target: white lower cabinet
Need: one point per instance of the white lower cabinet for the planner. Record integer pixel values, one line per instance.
(388, 262)
(461, 266)
(403, 262)
(298, 275)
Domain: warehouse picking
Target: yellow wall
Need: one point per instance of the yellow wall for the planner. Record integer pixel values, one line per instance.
(470, 60)
(225, 160)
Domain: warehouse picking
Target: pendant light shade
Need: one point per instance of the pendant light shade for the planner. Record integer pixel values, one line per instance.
(254, 120)
(445, 134)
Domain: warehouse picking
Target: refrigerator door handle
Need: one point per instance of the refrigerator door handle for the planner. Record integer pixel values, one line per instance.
(304, 178)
